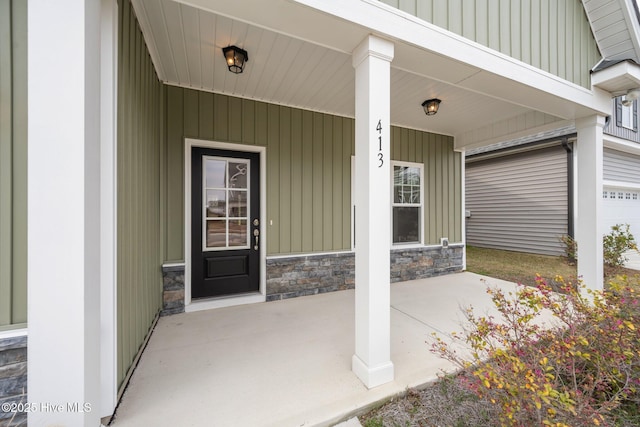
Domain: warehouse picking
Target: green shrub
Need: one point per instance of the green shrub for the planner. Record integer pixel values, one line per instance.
(570, 247)
(616, 243)
(581, 368)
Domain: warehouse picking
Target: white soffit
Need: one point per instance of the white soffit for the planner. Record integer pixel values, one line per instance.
(618, 78)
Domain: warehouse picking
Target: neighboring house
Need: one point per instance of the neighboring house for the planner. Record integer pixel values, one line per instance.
(522, 194)
(139, 176)
(519, 198)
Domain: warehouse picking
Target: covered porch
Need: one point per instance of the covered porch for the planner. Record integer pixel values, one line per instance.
(287, 363)
(163, 80)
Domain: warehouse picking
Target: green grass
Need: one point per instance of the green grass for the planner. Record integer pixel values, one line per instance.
(517, 267)
(522, 267)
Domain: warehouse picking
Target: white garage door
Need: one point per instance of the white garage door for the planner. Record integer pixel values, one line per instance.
(621, 206)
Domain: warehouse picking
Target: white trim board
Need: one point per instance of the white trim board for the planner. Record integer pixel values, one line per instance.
(207, 304)
(619, 144)
(13, 333)
(620, 184)
(108, 208)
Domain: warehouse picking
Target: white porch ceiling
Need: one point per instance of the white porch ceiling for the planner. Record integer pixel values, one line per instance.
(312, 69)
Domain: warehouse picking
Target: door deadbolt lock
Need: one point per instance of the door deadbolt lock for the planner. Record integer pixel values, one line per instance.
(256, 222)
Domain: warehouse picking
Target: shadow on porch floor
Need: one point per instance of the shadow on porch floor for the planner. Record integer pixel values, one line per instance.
(288, 363)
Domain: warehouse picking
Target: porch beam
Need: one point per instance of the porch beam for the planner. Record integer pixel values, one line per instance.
(64, 212)
(372, 359)
(589, 230)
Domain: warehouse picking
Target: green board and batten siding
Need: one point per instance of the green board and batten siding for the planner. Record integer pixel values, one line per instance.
(308, 170)
(442, 180)
(13, 164)
(140, 100)
(308, 167)
(553, 35)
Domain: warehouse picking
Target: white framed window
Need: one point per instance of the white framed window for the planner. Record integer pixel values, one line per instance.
(628, 113)
(407, 201)
(605, 194)
(635, 196)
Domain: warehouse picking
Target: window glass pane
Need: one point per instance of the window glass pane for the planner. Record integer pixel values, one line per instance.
(238, 232)
(410, 194)
(413, 176)
(406, 185)
(407, 193)
(406, 225)
(237, 175)
(415, 194)
(216, 233)
(237, 203)
(215, 173)
(397, 194)
(397, 175)
(225, 203)
(216, 204)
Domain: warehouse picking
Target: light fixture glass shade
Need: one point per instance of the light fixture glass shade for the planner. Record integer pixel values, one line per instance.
(431, 106)
(235, 58)
(632, 95)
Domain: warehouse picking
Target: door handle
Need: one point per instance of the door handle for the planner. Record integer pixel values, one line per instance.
(256, 235)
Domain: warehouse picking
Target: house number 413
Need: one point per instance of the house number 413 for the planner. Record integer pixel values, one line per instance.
(380, 155)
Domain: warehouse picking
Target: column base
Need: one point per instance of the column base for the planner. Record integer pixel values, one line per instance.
(372, 376)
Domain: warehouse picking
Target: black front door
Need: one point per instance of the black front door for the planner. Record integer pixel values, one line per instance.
(225, 236)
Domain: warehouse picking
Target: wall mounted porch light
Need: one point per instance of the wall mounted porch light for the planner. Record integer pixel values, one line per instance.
(431, 106)
(235, 58)
(632, 95)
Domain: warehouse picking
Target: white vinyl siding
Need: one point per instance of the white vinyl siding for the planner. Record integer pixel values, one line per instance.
(621, 167)
(518, 202)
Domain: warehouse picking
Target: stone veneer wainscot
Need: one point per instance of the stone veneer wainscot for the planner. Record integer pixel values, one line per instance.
(13, 377)
(294, 276)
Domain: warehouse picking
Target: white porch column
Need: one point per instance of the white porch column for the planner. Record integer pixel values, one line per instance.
(589, 200)
(372, 360)
(108, 226)
(64, 212)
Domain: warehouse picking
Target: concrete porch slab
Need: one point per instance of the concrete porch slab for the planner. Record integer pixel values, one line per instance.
(288, 363)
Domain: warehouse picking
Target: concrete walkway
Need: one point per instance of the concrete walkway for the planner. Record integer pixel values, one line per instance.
(288, 363)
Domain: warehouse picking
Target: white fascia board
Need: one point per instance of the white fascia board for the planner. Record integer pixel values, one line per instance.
(620, 144)
(620, 184)
(629, 12)
(468, 141)
(395, 24)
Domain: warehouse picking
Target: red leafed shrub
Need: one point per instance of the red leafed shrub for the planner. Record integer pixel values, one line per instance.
(555, 359)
